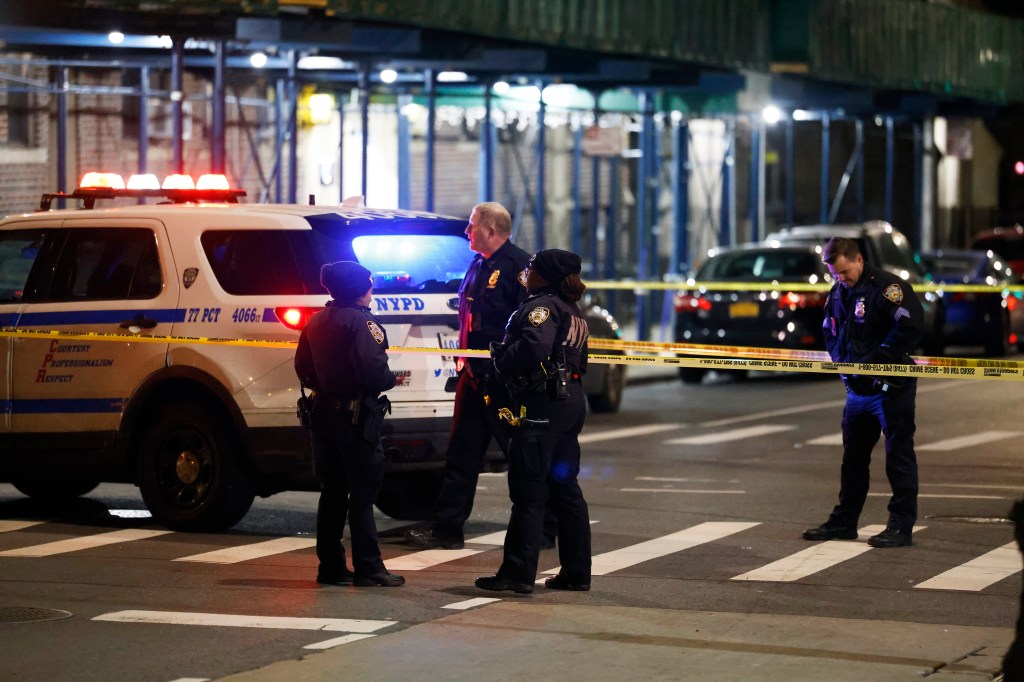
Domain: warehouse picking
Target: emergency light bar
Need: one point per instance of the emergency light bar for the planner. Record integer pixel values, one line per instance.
(178, 188)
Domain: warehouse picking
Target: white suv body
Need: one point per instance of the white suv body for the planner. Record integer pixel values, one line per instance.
(202, 428)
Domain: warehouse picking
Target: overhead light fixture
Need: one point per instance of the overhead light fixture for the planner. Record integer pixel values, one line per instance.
(315, 61)
(771, 114)
(116, 37)
(388, 76)
(452, 77)
(258, 60)
(500, 88)
(801, 115)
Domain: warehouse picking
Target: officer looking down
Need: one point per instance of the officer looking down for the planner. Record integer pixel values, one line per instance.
(872, 316)
(342, 357)
(542, 359)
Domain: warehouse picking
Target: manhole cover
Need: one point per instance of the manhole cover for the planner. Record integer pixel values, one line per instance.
(972, 519)
(28, 614)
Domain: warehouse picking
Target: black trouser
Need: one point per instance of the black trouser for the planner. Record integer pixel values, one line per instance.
(350, 467)
(864, 419)
(542, 472)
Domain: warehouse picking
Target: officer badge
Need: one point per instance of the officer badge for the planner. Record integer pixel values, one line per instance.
(859, 309)
(894, 293)
(538, 315)
(522, 277)
(493, 281)
(375, 331)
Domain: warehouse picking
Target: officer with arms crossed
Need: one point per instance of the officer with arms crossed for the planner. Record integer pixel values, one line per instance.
(543, 357)
(494, 286)
(872, 316)
(342, 357)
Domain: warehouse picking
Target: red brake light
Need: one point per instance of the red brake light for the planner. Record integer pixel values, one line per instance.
(1012, 302)
(94, 180)
(794, 300)
(178, 181)
(212, 181)
(295, 317)
(686, 301)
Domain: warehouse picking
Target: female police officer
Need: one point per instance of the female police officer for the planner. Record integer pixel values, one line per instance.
(542, 357)
(342, 357)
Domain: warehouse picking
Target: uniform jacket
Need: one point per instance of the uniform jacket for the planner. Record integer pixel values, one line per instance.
(491, 291)
(342, 352)
(543, 325)
(878, 320)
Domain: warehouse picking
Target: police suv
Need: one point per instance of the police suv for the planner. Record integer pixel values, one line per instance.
(112, 323)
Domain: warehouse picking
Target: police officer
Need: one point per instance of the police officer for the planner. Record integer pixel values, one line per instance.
(543, 357)
(872, 316)
(342, 357)
(494, 286)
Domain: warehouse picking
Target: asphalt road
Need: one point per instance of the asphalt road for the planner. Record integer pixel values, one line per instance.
(698, 496)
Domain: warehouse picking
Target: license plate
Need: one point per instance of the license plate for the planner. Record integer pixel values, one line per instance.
(744, 309)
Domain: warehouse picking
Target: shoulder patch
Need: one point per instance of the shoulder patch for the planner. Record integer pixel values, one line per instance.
(375, 331)
(537, 316)
(493, 281)
(522, 277)
(894, 293)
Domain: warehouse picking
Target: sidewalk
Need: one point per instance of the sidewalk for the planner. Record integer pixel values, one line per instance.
(520, 639)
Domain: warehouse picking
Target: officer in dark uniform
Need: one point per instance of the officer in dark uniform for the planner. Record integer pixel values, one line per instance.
(494, 286)
(872, 316)
(543, 357)
(342, 357)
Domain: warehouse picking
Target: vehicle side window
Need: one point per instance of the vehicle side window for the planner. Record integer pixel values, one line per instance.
(254, 262)
(18, 252)
(106, 264)
(894, 256)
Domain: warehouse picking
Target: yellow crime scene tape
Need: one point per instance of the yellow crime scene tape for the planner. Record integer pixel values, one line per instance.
(687, 285)
(667, 354)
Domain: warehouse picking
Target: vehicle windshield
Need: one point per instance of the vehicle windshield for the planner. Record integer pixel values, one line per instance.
(763, 266)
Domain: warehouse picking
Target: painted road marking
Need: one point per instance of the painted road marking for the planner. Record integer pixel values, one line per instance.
(470, 603)
(8, 526)
(234, 555)
(948, 497)
(815, 558)
(630, 432)
(682, 490)
(669, 479)
(619, 559)
(733, 434)
(238, 621)
(979, 573)
(968, 441)
(337, 641)
(831, 439)
(428, 558)
(87, 542)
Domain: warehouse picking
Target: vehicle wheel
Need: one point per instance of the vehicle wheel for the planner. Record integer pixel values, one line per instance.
(998, 343)
(610, 397)
(691, 375)
(409, 495)
(188, 470)
(54, 489)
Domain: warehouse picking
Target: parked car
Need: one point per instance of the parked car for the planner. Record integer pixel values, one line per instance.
(884, 247)
(1007, 242)
(755, 316)
(994, 320)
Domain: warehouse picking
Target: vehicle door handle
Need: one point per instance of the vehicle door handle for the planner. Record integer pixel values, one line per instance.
(138, 321)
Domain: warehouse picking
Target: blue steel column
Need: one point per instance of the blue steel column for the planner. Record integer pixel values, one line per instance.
(859, 141)
(679, 262)
(364, 113)
(485, 190)
(428, 78)
(790, 174)
(279, 132)
(915, 232)
(143, 123)
(595, 202)
(63, 85)
(404, 164)
(577, 163)
(177, 95)
(539, 207)
(825, 159)
(611, 232)
(726, 228)
(293, 126)
(217, 146)
(643, 210)
(755, 180)
(341, 147)
(890, 160)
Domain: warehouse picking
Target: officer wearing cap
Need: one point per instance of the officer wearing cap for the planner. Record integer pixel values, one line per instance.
(494, 286)
(342, 357)
(872, 316)
(543, 357)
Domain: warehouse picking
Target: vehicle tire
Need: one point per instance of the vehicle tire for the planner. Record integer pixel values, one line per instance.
(610, 397)
(998, 342)
(188, 469)
(409, 495)
(54, 489)
(691, 375)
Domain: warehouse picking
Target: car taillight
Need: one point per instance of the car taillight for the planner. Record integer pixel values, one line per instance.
(295, 317)
(1012, 302)
(690, 302)
(794, 300)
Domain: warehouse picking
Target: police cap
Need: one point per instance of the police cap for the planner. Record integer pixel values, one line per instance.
(554, 265)
(346, 280)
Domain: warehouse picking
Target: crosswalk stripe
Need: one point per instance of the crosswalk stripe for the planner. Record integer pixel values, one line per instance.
(979, 573)
(630, 432)
(968, 441)
(732, 434)
(86, 542)
(234, 555)
(616, 560)
(337, 641)
(238, 621)
(831, 439)
(815, 558)
(8, 526)
(948, 497)
(691, 491)
(428, 558)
